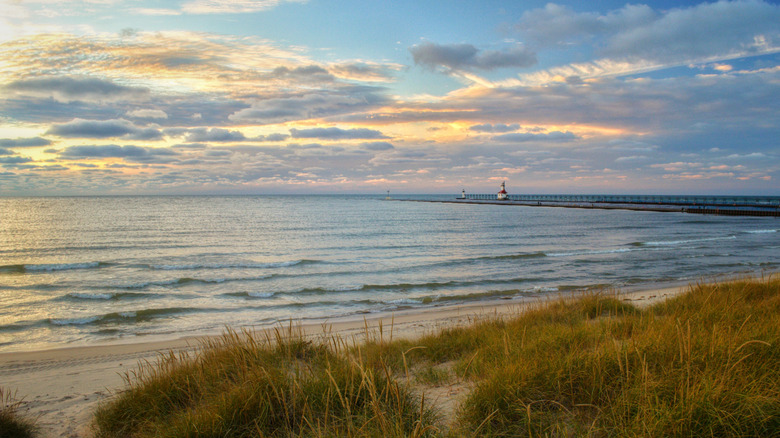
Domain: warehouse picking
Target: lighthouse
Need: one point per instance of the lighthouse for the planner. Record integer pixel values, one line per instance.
(502, 195)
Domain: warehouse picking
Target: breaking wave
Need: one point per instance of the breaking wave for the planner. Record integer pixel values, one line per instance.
(128, 317)
(240, 265)
(50, 267)
(683, 241)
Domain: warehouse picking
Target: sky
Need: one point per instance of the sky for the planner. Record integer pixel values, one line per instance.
(125, 97)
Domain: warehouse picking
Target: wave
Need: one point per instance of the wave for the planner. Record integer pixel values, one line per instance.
(78, 296)
(15, 269)
(50, 267)
(404, 301)
(683, 242)
(400, 287)
(17, 327)
(447, 299)
(590, 252)
(585, 287)
(503, 294)
(761, 231)
(184, 281)
(528, 255)
(130, 317)
(381, 287)
(250, 294)
(177, 281)
(239, 265)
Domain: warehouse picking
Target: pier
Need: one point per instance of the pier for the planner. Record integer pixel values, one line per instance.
(768, 206)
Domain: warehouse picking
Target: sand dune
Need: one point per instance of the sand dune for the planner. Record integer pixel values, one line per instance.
(62, 387)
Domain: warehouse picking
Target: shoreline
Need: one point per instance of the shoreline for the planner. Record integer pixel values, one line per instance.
(179, 339)
(62, 386)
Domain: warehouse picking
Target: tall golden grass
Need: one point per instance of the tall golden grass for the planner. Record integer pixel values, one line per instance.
(703, 364)
(13, 424)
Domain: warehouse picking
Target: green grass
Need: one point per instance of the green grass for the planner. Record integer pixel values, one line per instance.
(703, 364)
(12, 423)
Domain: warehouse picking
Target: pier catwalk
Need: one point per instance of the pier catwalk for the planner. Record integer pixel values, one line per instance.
(768, 206)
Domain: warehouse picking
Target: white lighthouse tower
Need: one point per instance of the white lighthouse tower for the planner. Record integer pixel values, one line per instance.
(502, 194)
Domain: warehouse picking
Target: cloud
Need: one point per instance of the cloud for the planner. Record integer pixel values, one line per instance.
(306, 106)
(377, 146)
(498, 127)
(466, 57)
(631, 158)
(178, 74)
(147, 114)
(155, 11)
(522, 137)
(72, 88)
(337, 133)
(307, 73)
(363, 71)
(104, 151)
(192, 146)
(134, 153)
(217, 153)
(24, 142)
(271, 137)
(4, 151)
(709, 30)
(232, 6)
(752, 156)
(215, 135)
(556, 24)
(117, 128)
(14, 160)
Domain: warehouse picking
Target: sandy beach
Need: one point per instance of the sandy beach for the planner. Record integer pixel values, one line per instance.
(62, 387)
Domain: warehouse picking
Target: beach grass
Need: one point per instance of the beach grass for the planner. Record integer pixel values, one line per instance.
(12, 423)
(283, 385)
(705, 363)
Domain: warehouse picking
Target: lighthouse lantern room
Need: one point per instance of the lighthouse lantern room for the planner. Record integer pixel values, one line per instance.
(502, 195)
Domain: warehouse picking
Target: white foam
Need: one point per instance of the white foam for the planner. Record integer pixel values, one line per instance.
(193, 266)
(404, 301)
(75, 321)
(86, 296)
(261, 294)
(589, 252)
(686, 241)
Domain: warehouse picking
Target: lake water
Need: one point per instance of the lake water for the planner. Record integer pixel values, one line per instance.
(82, 270)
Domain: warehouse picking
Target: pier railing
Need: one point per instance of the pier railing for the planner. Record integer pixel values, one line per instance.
(717, 205)
(717, 201)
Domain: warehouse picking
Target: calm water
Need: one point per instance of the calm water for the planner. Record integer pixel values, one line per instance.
(82, 270)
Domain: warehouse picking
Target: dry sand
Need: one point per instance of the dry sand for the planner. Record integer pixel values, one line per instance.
(62, 387)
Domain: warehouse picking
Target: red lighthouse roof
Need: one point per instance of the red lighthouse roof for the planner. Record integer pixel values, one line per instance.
(502, 195)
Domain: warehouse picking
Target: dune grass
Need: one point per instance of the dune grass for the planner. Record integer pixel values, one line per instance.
(704, 364)
(242, 386)
(12, 423)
